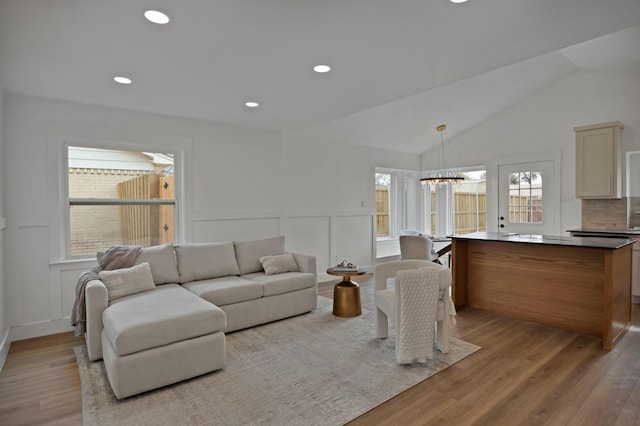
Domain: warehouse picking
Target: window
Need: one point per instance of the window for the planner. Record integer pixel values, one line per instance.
(383, 201)
(470, 203)
(118, 197)
(459, 210)
(525, 197)
(397, 208)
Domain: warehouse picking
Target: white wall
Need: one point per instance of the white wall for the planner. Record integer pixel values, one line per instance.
(330, 193)
(544, 122)
(245, 184)
(230, 177)
(4, 322)
(241, 184)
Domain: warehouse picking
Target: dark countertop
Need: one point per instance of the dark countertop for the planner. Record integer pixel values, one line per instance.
(608, 231)
(596, 242)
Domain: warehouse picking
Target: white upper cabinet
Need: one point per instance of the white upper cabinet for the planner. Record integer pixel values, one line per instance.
(599, 160)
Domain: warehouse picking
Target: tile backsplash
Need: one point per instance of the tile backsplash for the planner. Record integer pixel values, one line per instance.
(607, 214)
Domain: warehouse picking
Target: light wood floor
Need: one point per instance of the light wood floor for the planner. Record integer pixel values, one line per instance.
(524, 374)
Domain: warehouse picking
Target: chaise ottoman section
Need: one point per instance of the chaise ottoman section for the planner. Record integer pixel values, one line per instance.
(154, 368)
(160, 337)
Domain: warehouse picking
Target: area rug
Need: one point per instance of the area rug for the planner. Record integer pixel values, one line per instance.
(313, 369)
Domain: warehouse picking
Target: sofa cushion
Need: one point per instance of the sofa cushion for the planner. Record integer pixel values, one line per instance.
(205, 260)
(248, 253)
(165, 315)
(127, 281)
(282, 283)
(162, 261)
(225, 290)
(278, 264)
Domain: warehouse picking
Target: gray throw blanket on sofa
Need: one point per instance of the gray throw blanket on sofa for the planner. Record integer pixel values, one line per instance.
(116, 257)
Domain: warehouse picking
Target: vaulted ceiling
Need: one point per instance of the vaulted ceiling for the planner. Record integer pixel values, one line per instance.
(413, 62)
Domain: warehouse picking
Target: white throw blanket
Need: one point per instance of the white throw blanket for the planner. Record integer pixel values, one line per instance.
(417, 294)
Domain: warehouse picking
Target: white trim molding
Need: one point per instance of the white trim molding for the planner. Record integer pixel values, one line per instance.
(41, 328)
(4, 348)
(492, 184)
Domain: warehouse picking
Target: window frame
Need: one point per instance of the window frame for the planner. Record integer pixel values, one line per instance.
(444, 208)
(403, 194)
(391, 204)
(529, 190)
(66, 202)
(405, 209)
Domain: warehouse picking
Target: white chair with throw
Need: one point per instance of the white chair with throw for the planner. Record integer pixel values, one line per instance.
(420, 305)
(417, 247)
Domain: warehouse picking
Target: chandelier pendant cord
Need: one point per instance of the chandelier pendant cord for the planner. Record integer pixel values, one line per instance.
(444, 165)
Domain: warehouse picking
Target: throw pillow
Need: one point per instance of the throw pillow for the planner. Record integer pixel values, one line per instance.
(127, 281)
(279, 264)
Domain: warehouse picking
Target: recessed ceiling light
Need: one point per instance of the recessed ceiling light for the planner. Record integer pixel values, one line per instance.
(122, 80)
(322, 68)
(251, 104)
(156, 17)
(458, 1)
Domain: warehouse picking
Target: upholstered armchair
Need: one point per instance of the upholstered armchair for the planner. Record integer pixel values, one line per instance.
(417, 247)
(388, 300)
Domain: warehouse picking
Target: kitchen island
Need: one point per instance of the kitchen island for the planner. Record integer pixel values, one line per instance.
(573, 283)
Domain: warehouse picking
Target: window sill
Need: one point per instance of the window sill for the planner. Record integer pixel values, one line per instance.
(387, 247)
(72, 264)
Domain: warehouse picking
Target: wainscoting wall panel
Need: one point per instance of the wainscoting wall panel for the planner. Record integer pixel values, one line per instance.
(354, 239)
(329, 236)
(310, 235)
(68, 280)
(34, 274)
(42, 293)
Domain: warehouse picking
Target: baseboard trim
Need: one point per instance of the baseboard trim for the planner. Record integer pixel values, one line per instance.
(44, 328)
(4, 348)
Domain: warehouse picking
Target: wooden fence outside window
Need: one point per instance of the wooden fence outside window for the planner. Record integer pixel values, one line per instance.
(382, 211)
(152, 224)
(470, 214)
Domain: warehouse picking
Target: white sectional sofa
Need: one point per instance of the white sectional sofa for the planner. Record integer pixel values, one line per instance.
(180, 300)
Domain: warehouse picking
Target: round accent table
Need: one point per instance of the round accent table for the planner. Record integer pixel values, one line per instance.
(346, 294)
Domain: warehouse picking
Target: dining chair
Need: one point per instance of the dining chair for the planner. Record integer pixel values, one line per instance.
(417, 247)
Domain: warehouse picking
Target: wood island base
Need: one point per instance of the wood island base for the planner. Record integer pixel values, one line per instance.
(577, 288)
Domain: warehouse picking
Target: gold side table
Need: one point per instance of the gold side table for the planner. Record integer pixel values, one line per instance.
(346, 294)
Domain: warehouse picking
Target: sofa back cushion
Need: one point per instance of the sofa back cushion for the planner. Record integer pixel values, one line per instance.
(127, 281)
(249, 253)
(162, 261)
(205, 260)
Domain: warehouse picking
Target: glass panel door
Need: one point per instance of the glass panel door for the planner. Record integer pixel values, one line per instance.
(525, 199)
